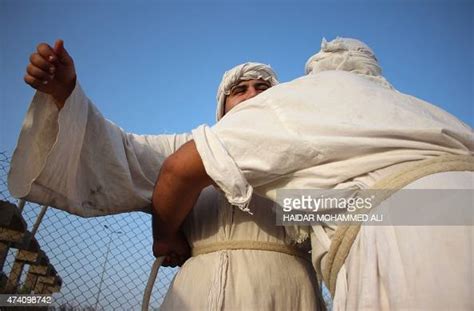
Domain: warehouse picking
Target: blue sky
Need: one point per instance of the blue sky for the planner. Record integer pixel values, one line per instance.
(154, 66)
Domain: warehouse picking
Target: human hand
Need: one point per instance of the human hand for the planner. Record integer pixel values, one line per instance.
(175, 248)
(52, 71)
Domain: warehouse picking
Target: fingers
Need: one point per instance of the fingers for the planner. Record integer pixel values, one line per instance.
(168, 262)
(173, 260)
(175, 248)
(46, 52)
(39, 61)
(41, 69)
(38, 73)
(62, 53)
(35, 83)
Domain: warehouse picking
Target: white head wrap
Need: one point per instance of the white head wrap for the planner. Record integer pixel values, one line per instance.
(245, 71)
(348, 55)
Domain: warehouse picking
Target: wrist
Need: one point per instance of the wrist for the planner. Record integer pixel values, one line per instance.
(61, 97)
(161, 230)
(165, 232)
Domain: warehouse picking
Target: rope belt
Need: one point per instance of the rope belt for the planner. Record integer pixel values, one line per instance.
(345, 235)
(249, 245)
(219, 246)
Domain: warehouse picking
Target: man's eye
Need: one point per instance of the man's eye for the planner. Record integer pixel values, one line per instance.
(263, 87)
(237, 91)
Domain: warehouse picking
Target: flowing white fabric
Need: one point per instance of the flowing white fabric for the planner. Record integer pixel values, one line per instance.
(411, 267)
(80, 162)
(333, 129)
(242, 72)
(241, 279)
(347, 128)
(60, 157)
(329, 130)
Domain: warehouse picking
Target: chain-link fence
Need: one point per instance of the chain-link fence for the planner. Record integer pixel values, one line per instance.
(100, 262)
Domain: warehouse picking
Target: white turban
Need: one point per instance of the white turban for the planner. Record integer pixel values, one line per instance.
(346, 54)
(245, 71)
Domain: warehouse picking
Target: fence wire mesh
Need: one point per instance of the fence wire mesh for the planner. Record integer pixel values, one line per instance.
(103, 262)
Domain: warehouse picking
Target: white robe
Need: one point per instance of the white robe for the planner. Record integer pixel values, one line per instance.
(80, 162)
(331, 130)
(241, 279)
(341, 130)
(411, 267)
(323, 131)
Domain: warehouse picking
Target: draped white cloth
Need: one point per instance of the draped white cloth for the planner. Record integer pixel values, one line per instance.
(80, 162)
(333, 129)
(241, 279)
(411, 267)
(344, 130)
(330, 130)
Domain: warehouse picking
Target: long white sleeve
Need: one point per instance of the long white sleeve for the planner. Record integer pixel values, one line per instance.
(78, 161)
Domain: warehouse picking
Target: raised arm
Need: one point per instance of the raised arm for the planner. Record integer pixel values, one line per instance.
(70, 157)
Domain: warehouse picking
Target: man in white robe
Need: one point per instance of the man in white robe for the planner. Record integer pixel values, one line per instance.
(69, 157)
(341, 127)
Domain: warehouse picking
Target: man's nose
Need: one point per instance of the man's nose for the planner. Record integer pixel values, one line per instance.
(251, 92)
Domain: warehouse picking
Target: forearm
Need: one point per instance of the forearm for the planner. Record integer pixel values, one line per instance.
(173, 199)
(181, 179)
